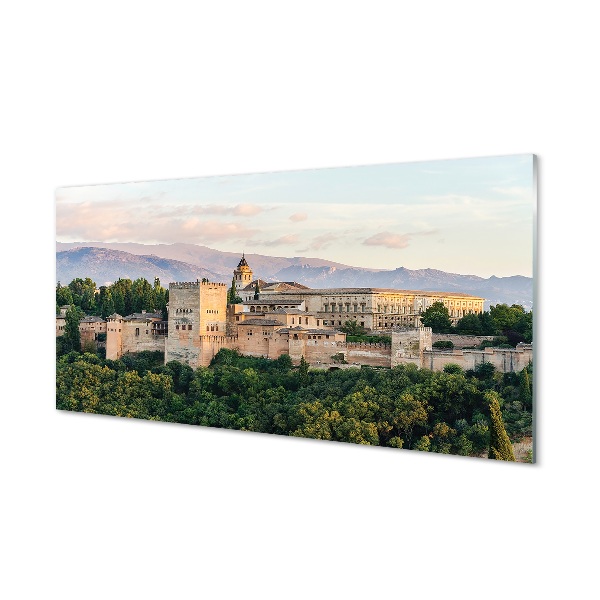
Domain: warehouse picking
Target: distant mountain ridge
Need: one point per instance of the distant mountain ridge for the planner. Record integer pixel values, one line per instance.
(222, 263)
(104, 266)
(185, 262)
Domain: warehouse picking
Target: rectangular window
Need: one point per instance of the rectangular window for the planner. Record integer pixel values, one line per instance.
(137, 331)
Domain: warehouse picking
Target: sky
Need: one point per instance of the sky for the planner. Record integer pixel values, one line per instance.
(469, 216)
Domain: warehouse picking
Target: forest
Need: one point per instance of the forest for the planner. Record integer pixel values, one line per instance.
(467, 413)
(123, 297)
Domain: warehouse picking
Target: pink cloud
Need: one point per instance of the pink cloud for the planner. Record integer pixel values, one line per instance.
(321, 242)
(297, 217)
(246, 210)
(104, 222)
(388, 240)
(290, 238)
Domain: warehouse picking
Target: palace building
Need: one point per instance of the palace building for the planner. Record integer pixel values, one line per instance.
(372, 308)
(288, 318)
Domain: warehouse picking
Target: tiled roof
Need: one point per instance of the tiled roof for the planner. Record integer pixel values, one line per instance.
(252, 286)
(143, 316)
(259, 322)
(290, 311)
(268, 300)
(369, 290)
(278, 286)
(92, 319)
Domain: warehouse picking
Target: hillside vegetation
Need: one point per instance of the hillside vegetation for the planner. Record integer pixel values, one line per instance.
(404, 407)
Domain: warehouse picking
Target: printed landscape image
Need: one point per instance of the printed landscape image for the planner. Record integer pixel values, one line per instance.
(387, 305)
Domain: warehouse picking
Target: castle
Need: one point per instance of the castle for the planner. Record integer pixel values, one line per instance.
(289, 318)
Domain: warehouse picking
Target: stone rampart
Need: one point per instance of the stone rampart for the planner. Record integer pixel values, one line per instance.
(505, 360)
(374, 355)
(209, 345)
(461, 341)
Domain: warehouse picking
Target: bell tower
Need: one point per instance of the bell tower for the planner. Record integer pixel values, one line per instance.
(242, 274)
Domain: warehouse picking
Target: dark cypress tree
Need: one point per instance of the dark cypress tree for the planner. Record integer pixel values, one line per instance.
(107, 306)
(71, 336)
(232, 297)
(525, 391)
(256, 291)
(303, 372)
(500, 446)
(119, 301)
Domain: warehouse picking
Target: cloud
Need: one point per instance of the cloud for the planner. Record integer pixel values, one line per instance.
(108, 222)
(297, 217)
(518, 192)
(388, 240)
(321, 242)
(284, 240)
(239, 210)
(246, 210)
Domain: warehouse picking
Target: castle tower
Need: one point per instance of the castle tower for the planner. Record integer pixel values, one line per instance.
(243, 274)
(196, 309)
(114, 336)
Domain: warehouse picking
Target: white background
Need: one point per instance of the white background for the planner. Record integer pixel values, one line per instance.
(97, 507)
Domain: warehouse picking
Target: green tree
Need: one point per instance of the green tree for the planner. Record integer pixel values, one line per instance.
(525, 389)
(143, 295)
(303, 372)
(352, 328)
(487, 324)
(107, 306)
(118, 300)
(438, 318)
(63, 295)
(71, 338)
(469, 325)
(256, 291)
(443, 344)
(505, 317)
(84, 293)
(232, 295)
(125, 289)
(160, 298)
(500, 446)
(423, 444)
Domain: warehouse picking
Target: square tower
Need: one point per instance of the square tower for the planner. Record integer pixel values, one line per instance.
(196, 309)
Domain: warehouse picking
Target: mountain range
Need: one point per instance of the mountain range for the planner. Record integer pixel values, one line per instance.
(106, 262)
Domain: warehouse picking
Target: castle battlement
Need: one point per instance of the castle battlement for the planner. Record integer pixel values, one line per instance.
(184, 285)
(367, 345)
(218, 338)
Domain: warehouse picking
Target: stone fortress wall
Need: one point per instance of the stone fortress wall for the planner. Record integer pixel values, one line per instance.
(461, 341)
(136, 333)
(298, 323)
